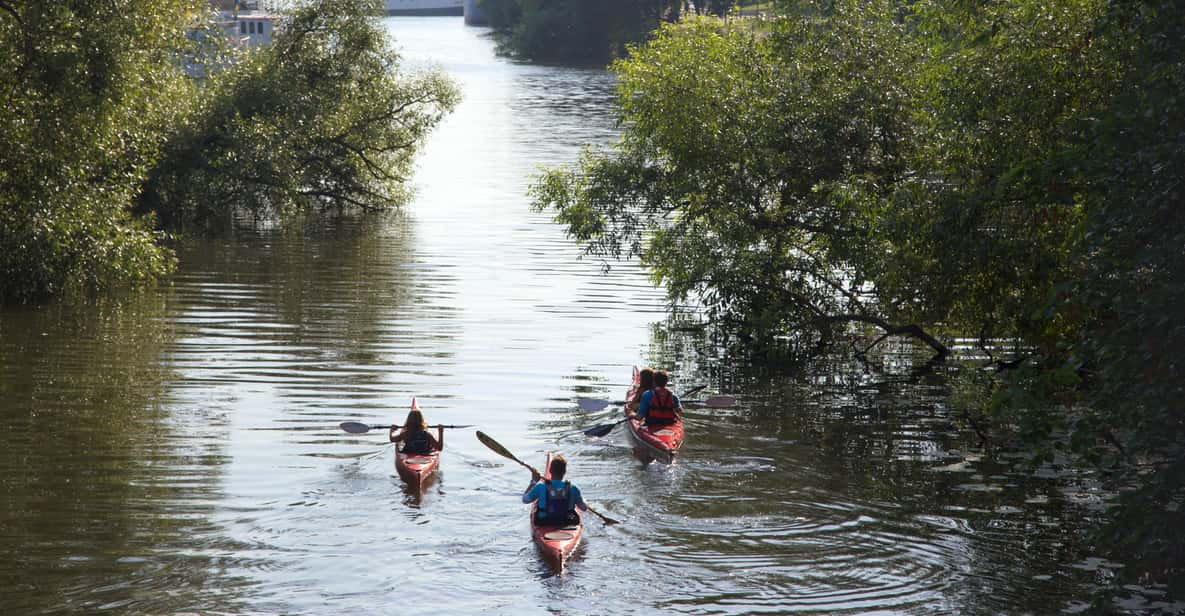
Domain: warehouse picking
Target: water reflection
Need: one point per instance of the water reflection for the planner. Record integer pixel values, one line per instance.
(106, 500)
(837, 487)
(331, 311)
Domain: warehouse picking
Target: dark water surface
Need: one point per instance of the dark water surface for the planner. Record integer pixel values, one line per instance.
(177, 452)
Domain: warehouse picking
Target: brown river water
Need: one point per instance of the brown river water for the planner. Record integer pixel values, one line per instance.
(178, 451)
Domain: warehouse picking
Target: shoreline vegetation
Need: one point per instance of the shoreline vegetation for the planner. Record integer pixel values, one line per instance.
(108, 145)
(1008, 173)
(581, 33)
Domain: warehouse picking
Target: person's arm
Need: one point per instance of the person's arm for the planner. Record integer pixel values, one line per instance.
(643, 405)
(632, 405)
(439, 438)
(533, 490)
(579, 499)
(395, 438)
(678, 405)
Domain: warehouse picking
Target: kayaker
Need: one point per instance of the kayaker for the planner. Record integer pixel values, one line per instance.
(645, 384)
(659, 406)
(558, 499)
(415, 436)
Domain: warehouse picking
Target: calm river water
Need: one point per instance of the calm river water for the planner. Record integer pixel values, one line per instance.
(177, 452)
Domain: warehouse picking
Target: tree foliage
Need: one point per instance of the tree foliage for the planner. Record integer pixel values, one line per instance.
(104, 138)
(322, 118)
(89, 89)
(1008, 172)
(583, 32)
(746, 165)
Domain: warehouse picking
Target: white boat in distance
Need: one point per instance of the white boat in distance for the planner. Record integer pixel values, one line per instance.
(425, 7)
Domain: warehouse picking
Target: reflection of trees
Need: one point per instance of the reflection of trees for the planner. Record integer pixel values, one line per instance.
(112, 474)
(327, 305)
(812, 447)
(99, 506)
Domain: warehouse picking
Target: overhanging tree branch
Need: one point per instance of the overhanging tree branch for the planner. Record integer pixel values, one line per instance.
(911, 329)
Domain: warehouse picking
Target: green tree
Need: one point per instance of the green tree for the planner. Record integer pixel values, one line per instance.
(583, 31)
(1121, 329)
(105, 138)
(986, 222)
(88, 90)
(743, 175)
(320, 119)
(1009, 172)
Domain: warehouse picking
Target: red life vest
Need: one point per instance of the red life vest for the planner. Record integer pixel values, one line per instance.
(662, 407)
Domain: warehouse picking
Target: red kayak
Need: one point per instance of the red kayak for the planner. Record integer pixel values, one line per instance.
(555, 542)
(415, 469)
(657, 442)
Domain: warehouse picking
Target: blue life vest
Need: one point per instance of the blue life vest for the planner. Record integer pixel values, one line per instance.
(559, 506)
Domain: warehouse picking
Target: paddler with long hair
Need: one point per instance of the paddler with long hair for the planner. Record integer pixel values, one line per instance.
(645, 384)
(415, 436)
(658, 406)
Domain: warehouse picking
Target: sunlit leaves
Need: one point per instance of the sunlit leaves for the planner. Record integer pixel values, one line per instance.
(321, 119)
(88, 88)
(737, 178)
(100, 121)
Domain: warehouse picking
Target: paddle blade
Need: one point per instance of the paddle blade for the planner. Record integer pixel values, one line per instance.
(591, 404)
(604, 518)
(601, 430)
(719, 402)
(494, 446)
(497, 448)
(693, 391)
(354, 427)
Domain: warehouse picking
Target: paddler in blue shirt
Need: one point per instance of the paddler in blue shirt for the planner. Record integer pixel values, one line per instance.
(659, 406)
(557, 499)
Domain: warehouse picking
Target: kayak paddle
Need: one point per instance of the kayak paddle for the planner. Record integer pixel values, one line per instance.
(497, 448)
(606, 519)
(603, 429)
(716, 402)
(354, 427)
(596, 404)
(502, 451)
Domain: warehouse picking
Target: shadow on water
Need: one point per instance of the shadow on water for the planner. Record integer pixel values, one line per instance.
(839, 486)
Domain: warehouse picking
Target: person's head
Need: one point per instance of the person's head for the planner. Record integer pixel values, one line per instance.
(661, 378)
(415, 421)
(646, 379)
(559, 467)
